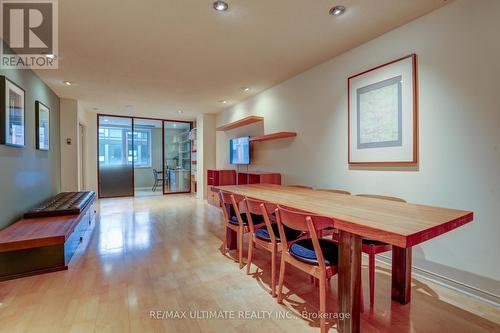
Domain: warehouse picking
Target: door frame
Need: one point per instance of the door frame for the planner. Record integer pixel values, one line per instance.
(190, 155)
(190, 122)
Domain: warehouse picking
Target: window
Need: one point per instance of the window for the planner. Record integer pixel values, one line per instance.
(142, 147)
(116, 147)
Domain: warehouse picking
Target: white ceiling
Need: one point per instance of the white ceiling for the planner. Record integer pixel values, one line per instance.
(155, 57)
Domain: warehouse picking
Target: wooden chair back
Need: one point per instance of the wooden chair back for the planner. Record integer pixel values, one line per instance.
(228, 200)
(255, 206)
(303, 222)
(334, 191)
(382, 197)
(301, 186)
(259, 207)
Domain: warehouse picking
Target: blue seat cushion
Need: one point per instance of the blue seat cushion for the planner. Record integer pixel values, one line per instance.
(256, 219)
(303, 250)
(369, 241)
(263, 234)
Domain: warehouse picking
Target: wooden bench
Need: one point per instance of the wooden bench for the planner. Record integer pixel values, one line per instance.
(46, 244)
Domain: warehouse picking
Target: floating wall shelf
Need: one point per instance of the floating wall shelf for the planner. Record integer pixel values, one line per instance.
(239, 123)
(273, 136)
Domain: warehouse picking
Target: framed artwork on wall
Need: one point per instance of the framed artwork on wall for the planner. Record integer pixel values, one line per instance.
(383, 114)
(42, 115)
(12, 114)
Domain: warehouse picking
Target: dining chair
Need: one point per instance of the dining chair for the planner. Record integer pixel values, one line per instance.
(315, 256)
(158, 179)
(267, 236)
(301, 186)
(236, 221)
(373, 247)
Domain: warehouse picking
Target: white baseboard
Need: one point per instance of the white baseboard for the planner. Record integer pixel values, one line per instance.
(479, 294)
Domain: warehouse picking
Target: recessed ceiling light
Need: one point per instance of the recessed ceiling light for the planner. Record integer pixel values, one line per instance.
(180, 111)
(50, 56)
(337, 10)
(175, 125)
(223, 101)
(106, 119)
(245, 89)
(220, 6)
(68, 83)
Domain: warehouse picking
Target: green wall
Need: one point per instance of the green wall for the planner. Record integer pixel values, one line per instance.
(29, 176)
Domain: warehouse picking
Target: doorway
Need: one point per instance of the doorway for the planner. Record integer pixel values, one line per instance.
(143, 156)
(177, 156)
(148, 156)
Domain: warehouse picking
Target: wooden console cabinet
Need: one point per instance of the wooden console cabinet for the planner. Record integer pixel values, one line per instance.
(250, 177)
(218, 178)
(231, 177)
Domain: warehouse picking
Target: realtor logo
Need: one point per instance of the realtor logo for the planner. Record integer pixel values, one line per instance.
(29, 34)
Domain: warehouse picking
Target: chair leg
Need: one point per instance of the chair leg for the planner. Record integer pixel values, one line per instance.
(224, 242)
(371, 269)
(322, 303)
(240, 247)
(251, 244)
(362, 298)
(281, 279)
(273, 272)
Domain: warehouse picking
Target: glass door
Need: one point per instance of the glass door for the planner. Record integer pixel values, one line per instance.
(148, 158)
(115, 156)
(177, 157)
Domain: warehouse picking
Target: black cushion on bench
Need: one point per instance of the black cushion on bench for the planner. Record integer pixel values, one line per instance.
(65, 203)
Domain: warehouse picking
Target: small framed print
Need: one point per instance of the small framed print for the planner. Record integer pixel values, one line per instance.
(42, 126)
(12, 113)
(383, 114)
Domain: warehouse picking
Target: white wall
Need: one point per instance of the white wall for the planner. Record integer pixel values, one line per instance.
(89, 120)
(205, 124)
(459, 67)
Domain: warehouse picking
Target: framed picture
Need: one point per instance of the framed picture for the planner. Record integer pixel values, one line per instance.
(12, 117)
(383, 114)
(42, 115)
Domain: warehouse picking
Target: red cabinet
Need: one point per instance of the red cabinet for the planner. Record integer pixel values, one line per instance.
(258, 178)
(221, 177)
(218, 178)
(231, 177)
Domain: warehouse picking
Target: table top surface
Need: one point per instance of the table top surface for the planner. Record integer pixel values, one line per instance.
(397, 223)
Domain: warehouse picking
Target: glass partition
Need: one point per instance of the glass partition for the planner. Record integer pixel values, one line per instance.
(148, 159)
(177, 157)
(115, 156)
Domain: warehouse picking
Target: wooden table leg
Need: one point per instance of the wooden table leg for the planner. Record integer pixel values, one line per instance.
(401, 274)
(349, 289)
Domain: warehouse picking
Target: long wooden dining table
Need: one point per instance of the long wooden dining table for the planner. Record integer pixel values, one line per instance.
(403, 225)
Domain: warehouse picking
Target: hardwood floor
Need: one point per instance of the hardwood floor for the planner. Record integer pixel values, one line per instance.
(162, 253)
